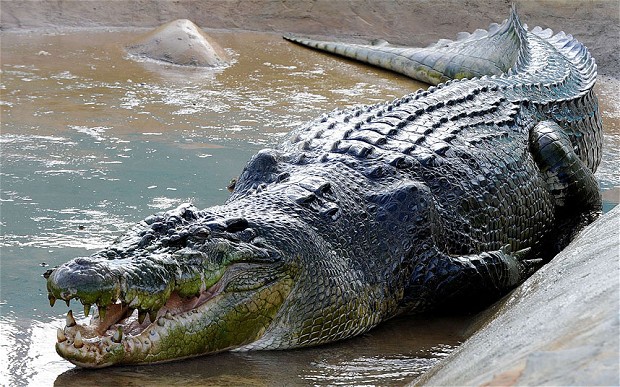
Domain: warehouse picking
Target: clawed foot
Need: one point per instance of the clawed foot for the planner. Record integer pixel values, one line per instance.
(524, 258)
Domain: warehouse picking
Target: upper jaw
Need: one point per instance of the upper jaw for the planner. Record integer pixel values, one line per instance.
(182, 251)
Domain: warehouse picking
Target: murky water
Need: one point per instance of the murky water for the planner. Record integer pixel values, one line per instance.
(92, 142)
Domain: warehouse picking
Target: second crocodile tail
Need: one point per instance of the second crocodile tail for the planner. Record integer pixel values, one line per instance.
(484, 52)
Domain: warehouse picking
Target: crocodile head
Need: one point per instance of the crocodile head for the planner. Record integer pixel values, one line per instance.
(177, 285)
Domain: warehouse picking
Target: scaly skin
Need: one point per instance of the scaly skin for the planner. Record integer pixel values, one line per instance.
(451, 195)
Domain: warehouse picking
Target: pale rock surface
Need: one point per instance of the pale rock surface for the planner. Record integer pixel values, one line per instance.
(560, 327)
(180, 42)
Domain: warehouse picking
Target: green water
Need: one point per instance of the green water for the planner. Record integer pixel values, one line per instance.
(92, 142)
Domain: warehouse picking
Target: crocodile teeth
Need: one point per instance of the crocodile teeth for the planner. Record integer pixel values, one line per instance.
(118, 335)
(52, 299)
(102, 310)
(60, 335)
(129, 312)
(152, 315)
(77, 342)
(70, 319)
(86, 310)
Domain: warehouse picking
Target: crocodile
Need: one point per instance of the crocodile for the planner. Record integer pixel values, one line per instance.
(449, 196)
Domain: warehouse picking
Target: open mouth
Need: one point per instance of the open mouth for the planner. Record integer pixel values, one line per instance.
(122, 329)
(160, 303)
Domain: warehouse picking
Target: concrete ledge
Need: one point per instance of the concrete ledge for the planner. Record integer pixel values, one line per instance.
(560, 327)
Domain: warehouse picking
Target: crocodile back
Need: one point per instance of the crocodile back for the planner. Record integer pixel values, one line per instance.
(555, 73)
(465, 140)
(366, 198)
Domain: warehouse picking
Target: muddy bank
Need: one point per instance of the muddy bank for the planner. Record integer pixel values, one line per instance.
(415, 22)
(560, 327)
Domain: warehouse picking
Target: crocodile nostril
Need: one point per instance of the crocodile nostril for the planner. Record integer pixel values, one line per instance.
(236, 224)
(189, 214)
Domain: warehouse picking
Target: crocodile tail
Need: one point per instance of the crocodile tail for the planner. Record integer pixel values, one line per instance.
(500, 49)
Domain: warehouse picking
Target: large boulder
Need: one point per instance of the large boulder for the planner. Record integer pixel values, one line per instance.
(560, 327)
(180, 42)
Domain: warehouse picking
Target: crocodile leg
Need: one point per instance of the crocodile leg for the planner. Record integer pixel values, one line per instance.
(445, 279)
(441, 275)
(466, 281)
(569, 181)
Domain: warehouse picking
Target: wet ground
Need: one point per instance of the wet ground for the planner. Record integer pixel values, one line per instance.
(92, 142)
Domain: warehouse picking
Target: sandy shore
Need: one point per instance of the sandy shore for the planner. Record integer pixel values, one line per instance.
(411, 22)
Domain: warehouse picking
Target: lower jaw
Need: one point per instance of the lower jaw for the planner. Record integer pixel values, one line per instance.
(82, 346)
(98, 345)
(120, 338)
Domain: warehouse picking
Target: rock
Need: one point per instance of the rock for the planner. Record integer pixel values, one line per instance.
(180, 42)
(560, 327)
